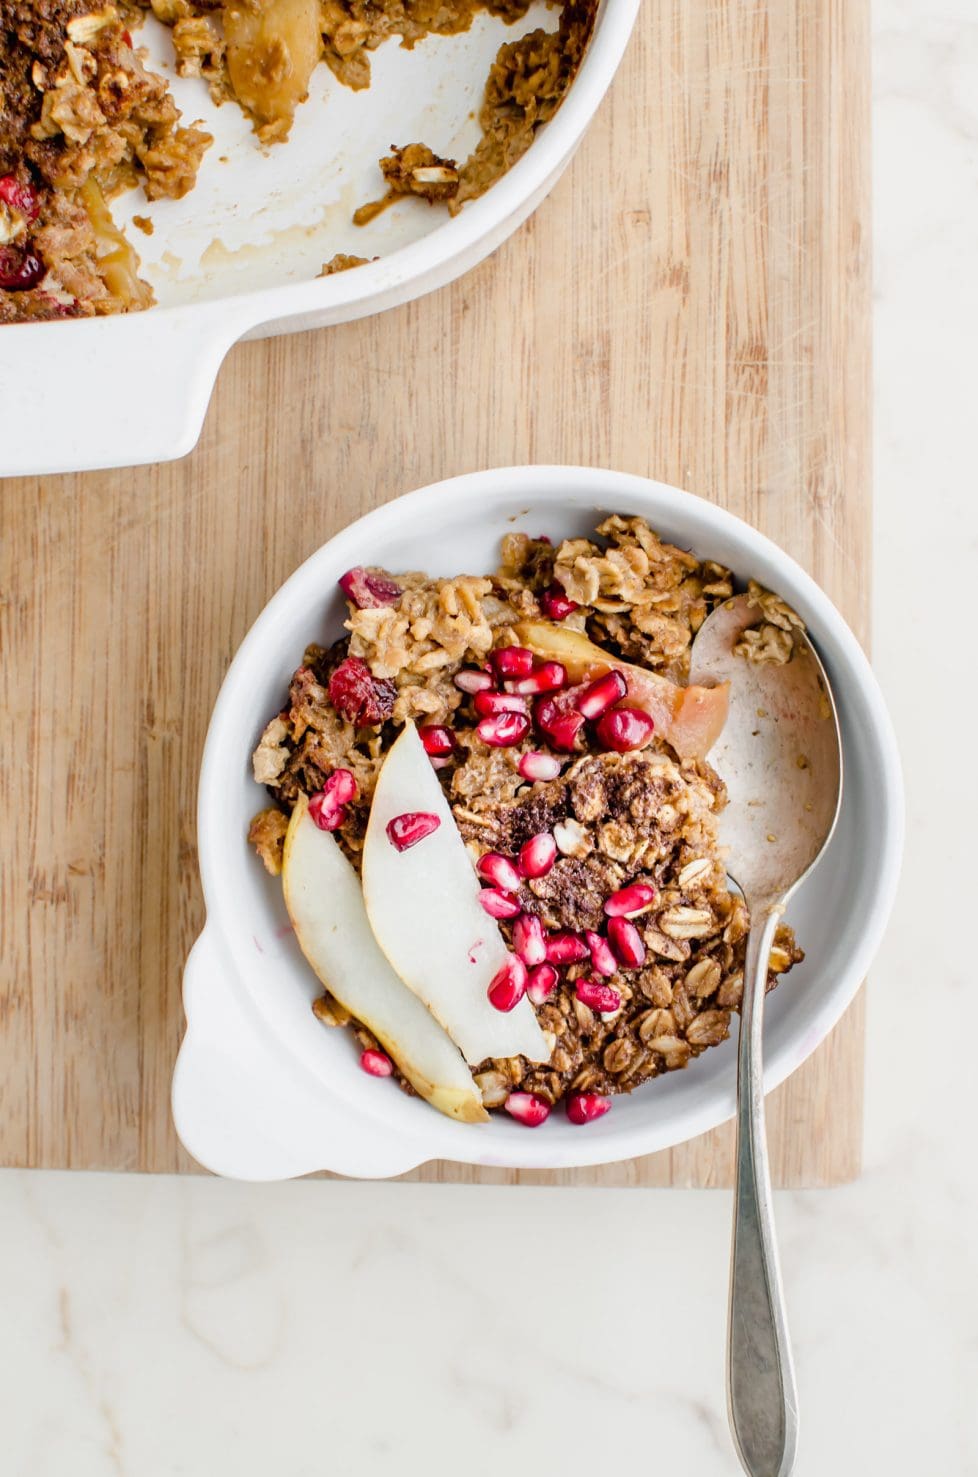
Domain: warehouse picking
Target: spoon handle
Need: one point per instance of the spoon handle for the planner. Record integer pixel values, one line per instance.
(761, 1394)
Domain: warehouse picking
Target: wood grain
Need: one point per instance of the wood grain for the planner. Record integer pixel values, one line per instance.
(691, 303)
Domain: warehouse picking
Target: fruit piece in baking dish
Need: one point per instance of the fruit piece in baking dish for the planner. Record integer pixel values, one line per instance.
(424, 908)
(325, 904)
(688, 718)
(272, 48)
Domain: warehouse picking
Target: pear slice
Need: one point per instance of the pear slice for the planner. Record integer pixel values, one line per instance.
(423, 905)
(689, 718)
(325, 904)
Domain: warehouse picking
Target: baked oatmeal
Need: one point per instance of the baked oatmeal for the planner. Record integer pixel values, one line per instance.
(84, 118)
(552, 701)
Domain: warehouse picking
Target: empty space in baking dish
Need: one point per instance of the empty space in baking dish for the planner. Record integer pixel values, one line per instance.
(261, 217)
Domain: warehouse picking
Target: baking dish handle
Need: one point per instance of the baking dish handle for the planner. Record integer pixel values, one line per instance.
(243, 1110)
(110, 392)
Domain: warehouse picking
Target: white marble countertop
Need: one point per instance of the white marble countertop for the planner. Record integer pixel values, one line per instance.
(155, 1327)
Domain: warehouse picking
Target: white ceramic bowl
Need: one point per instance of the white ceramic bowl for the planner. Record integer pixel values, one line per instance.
(262, 1091)
(239, 256)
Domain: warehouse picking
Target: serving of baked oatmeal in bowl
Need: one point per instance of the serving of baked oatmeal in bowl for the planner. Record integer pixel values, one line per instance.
(484, 892)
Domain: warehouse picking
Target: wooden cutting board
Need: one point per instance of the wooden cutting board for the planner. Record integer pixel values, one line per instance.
(692, 302)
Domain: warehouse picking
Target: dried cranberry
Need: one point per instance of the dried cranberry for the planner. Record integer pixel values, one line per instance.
(19, 197)
(355, 692)
(369, 590)
(19, 268)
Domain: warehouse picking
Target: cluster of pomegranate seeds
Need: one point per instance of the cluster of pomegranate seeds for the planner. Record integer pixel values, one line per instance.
(513, 675)
(368, 590)
(438, 742)
(376, 1063)
(624, 730)
(538, 855)
(508, 985)
(18, 196)
(499, 904)
(541, 983)
(406, 830)
(19, 268)
(504, 730)
(527, 1109)
(537, 766)
(584, 1107)
(555, 604)
(629, 901)
(627, 943)
(355, 692)
(328, 806)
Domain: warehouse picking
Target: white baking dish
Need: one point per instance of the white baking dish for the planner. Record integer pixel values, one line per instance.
(239, 255)
(263, 1091)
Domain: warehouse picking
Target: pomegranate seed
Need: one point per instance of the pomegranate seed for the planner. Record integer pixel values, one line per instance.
(19, 268)
(508, 985)
(566, 948)
(541, 983)
(629, 901)
(499, 904)
(560, 728)
(368, 590)
(355, 692)
(584, 1107)
(512, 661)
(527, 1109)
(504, 730)
(537, 766)
(555, 604)
(597, 996)
(127, 38)
(19, 197)
(498, 870)
(487, 704)
(602, 958)
(625, 729)
(468, 680)
(325, 811)
(538, 855)
(376, 1063)
(528, 940)
(548, 677)
(627, 942)
(406, 830)
(340, 787)
(437, 741)
(544, 538)
(602, 695)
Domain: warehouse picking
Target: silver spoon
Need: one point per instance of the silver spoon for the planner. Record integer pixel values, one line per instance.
(780, 756)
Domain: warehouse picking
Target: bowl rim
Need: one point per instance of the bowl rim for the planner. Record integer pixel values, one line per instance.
(681, 1122)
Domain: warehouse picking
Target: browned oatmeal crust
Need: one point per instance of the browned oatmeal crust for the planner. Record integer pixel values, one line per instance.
(618, 819)
(81, 120)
